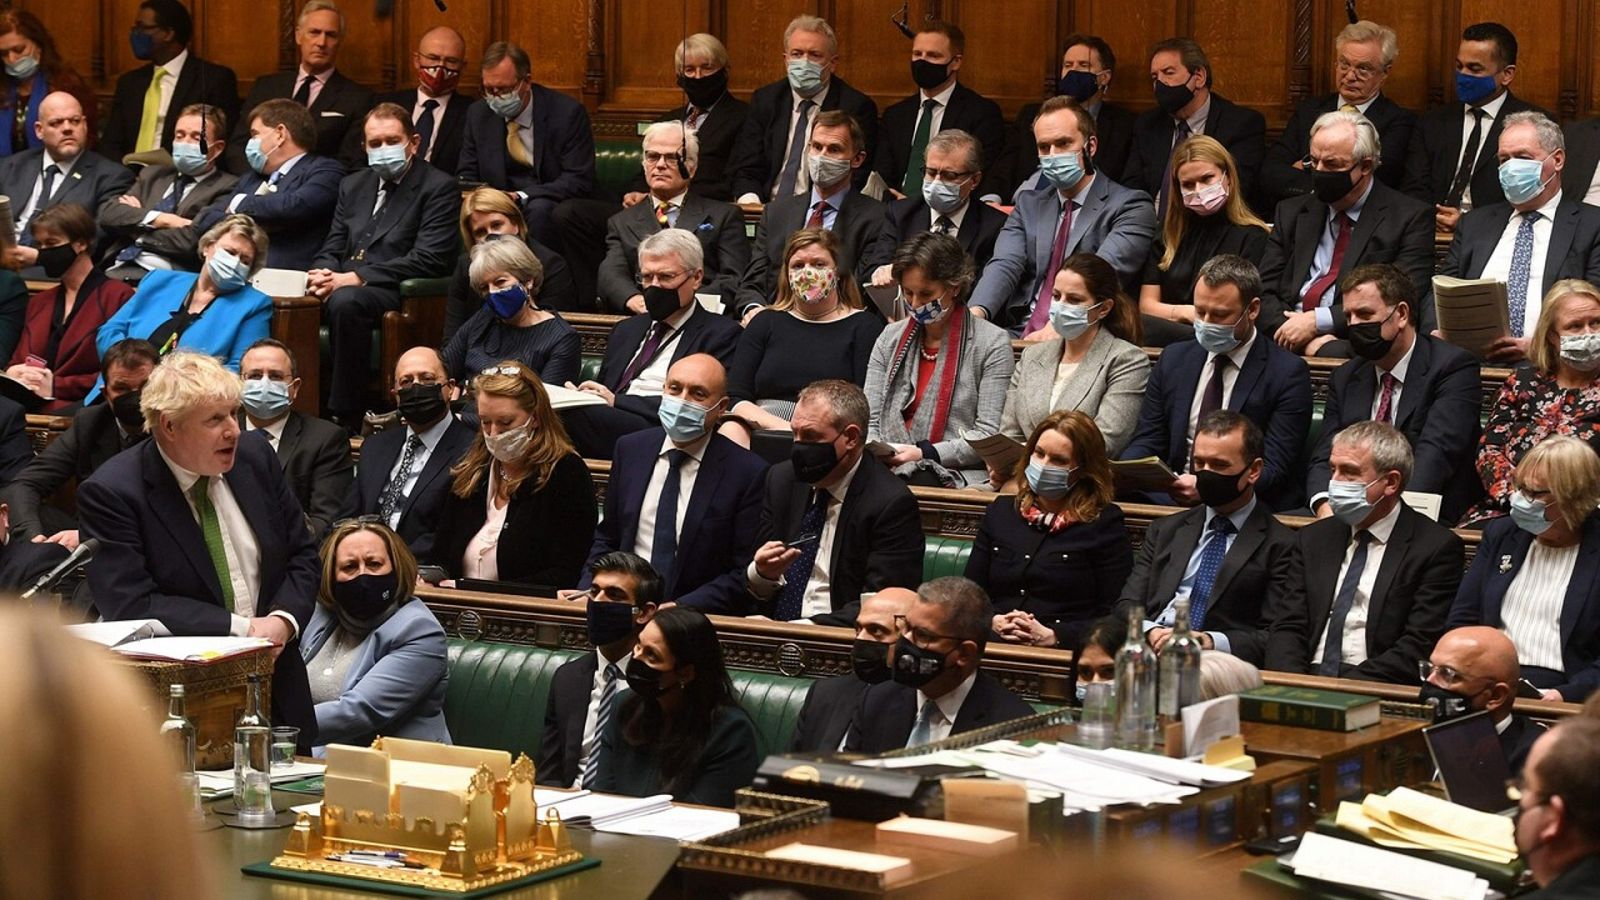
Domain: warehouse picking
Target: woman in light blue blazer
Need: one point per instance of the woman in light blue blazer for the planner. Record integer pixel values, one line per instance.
(215, 311)
(374, 653)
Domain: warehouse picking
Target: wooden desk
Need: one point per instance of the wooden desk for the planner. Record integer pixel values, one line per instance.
(1350, 764)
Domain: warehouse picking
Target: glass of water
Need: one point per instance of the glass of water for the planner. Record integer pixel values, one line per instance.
(284, 740)
(252, 761)
(1099, 711)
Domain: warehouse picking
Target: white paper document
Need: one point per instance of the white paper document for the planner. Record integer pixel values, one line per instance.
(680, 823)
(220, 784)
(110, 634)
(192, 649)
(596, 810)
(1472, 312)
(567, 398)
(1327, 858)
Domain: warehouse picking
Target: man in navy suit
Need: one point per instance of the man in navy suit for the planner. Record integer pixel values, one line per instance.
(546, 158)
(943, 203)
(708, 485)
(289, 191)
(198, 528)
(642, 347)
(405, 472)
(1230, 365)
(938, 689)
(161, 34)
(396, 219)
(831, 703)
(437, 111)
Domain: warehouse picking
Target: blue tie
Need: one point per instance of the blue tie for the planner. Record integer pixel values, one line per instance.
(664, 546)
(167, 204)
(1517, 280)
(797, 151)
(798, 575)
(602, 720)
(922, 732)
(1333, 642)
(1210, 563)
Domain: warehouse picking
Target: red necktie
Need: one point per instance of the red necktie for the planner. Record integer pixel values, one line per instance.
(1041, 303)
(1313, 295)
(1386, 400)
(816, 214)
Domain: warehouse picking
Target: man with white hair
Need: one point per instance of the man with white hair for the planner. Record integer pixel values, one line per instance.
(199, 529)
(1535, 237)
(1349, 219)
(671, 160)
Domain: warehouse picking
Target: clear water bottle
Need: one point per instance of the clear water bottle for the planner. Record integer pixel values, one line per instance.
(1180, 665)
(177, 729)
(253, 717)
(1136, 688)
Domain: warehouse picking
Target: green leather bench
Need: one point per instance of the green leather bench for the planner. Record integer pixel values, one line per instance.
(617, 161)
(943, 556)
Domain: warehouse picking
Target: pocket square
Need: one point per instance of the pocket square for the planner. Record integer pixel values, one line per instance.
(329, 112)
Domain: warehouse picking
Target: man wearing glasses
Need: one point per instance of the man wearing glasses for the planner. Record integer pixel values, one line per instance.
(1363, 55)
(1558, 811)
(437, 111)
(1475, 668)
(145, 106)
(943, 204)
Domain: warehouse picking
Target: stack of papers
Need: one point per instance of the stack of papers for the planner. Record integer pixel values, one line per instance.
(680, 823)
(1410, 820)
(1345, 862)
(214, 785)
(111, 634)
(192, 649)
(597, 810)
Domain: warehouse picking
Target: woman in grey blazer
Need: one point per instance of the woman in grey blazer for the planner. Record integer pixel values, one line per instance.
(1094, 365)
(375, 655)
(937, 374)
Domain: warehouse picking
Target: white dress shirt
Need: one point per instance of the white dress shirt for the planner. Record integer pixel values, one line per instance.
(273, 430)
(653, 377)
(644, 538)
(1592, 196)
(956, 218)
(1322, 259)
(949, 706)
(591, 716)
(479, 560)
(1531, 609)
(1353, 648)
(818, 598)
(1499, 265)
(1230, 376)
(942, 99)
(430, 440)
(1492, 108)
(1169, 614)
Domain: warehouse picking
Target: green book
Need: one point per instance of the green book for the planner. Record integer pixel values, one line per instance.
(1308, 708)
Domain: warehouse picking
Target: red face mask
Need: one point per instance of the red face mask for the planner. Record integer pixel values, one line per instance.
(438, 80)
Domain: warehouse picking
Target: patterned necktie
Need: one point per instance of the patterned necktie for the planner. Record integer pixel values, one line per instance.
(167, 204)
(1521, 273)
(1179, 133)
(816, 220)
(148, 139)
(911, 185)
(211, 530)
(922, 732)
(647, 353)
(1210, 563)
(1386, 399)
(1312, 298)
(602, 719)
(944, 225)
(302, 94)
(1058, 250)
(662, 209)
(798, 575)
(664, 546)
(514, 145)
(1469, 160)
(1211, 400)
(789, 181)
(394, 492)
(425, 128)
(1333, 642)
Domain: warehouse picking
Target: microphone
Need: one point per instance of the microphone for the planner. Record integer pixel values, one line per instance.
(75, 560)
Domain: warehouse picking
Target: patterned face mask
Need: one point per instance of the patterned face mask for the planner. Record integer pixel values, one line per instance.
(812, 284)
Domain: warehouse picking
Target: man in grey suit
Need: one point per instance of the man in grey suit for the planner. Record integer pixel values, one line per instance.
(671, 158)
(315, 453)
(153, 224)
(1083, 213)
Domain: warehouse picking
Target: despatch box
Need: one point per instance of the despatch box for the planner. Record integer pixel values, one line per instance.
(215, 695)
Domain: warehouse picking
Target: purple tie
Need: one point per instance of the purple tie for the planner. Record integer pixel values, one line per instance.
(1041, 303)
(652, 345)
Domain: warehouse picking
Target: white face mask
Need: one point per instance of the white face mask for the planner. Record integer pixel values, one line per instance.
(509, 445)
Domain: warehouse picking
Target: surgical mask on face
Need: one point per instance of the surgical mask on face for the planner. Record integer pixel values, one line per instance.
(265, 399)
(812, 284)
(941, 196)
(928, 313)
(1581, 351)
(1214, 338)
(1522, 179)
(389, 161)
(23, 67)
(1472, 88)
(188, 159)
(228, 272)
(1070, 320)
(825, 171)
(1207, 198)
(1529, 513)
(509, 445)
(1349, 500)
(1048, 482)
(684, 421)
(805, 76)
(506, 106)
(506, 302)
(1080, 689)
(1063, 170)
(256, 155)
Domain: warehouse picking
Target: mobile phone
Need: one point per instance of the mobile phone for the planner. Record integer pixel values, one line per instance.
(432, 574)
(37, 362)
(1526, 689)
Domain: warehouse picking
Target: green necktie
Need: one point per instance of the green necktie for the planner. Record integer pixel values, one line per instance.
(912, 186)
(211, 528)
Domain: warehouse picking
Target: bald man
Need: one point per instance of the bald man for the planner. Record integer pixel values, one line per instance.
(1558, 813)
(437, 111)
(686, 498)
(832, 702)
(1478, 664)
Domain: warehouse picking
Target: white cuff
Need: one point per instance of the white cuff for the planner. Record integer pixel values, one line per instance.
(239, 626)
(149, 218)
(294, 627)
(760, 585)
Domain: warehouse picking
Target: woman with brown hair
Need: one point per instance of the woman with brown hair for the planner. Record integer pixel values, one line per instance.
(33, 70)
(1055, 556)
(520, 488)
(1212, 218)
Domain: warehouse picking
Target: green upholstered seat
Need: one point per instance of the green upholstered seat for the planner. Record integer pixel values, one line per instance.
(589, 367)
(616, 162)
(773, 702)
(497, 693)
(944, 556)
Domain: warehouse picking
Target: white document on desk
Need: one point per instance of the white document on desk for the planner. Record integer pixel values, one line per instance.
(110, 634)
(594, 810)
(681, 823)
(1327, 858)
(220, 784)
(1084, 783)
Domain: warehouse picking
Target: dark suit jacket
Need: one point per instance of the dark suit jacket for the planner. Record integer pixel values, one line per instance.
(876, 544)
(1113, 133)
(1281, 180)
(200, 81)
(557, 292)
(826, 715)
(905, 219)
(22, 562)
(1580, 882)
(92, 439)
(1495, 566)
(718, 132)
(1393, 228)
(296, 213)
(563, 148)
(15, 449)
(565, 709)
(546, 534)
(445, 153)
(717, 538)
(703, 332)
(93, 180)
(153, 564)
(76, 363)
(338, 110)
(121, 222)
(1242, 130)
(1435, 154)
(857, 224)
(1438, 414)
(1574, 250)
(419, 513)
(1273, 390)
(316, 461)
(968, 111)
(1583, 155)
(718, 225)
(888, 712)
(758, 154)
(1260, 575)
(1518, 739)
(1416, 581)
(415, 236)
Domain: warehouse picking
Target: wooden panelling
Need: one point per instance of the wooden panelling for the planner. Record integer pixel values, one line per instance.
(1010, 55)
(1131, 29)
(754, 37)
(413, 19)
(639, 53)
(1251, 62)
(556, 35)
(1539, 31)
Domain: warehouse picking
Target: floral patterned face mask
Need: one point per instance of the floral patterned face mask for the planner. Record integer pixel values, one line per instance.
(812, 284)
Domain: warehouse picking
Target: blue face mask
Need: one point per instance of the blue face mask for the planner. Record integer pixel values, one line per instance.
(1528, 513)
(683, 421)
(265, 399)
(1522, 179)
(188, 159)
(228, 272)
(928, 313)
(1349, 500)
(1049, 482)
(1064, 170)
(941, 196)
(1070, 320)
(1215, 338)
(255, 156)
(507, 302)
(1472, 88)
(805, 77)
(1079, 85)
(389, 161)
(142, 43)
(23, 67)
(506, 106)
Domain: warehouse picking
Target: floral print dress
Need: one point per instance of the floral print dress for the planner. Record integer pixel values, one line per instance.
(1529, 408)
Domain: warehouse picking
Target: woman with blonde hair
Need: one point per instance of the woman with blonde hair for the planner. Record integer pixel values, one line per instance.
(1209, 216)
(1054, 557)
(1536, 575)
(489, 214)
(89, 799)
(520, 488)
(1559, 395)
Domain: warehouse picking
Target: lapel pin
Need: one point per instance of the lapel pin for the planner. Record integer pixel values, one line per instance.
(78, 175)
(1505, 564)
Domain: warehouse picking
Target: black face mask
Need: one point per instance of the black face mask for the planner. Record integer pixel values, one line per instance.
(813, 460)
(609, 621)
(643, 680)
(703, 92)
(125, 407)
(1367, 339)
(1078, 84)
(1217, 488)
(914, 666)
(421, 404)
(1331, 186)
(929, 75)
(661, 302)
(1447, 704)
(57, 260)
(1173, 97)
(365, 601)
(870, 661)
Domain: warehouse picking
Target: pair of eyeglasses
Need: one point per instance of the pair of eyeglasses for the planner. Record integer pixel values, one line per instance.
(918, 635)
(500, 370)
(1448, 675)
(368, 519)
